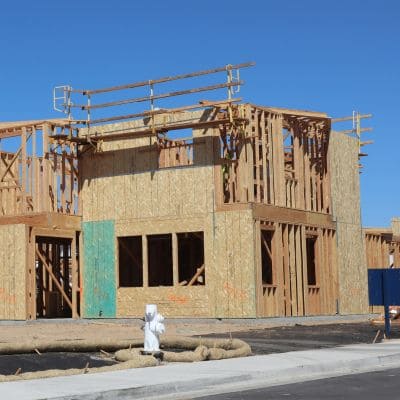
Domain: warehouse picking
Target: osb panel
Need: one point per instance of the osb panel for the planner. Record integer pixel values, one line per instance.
(229, 291)
(123, 179)
(234, 271)
(396, 226)
(345, 179)
(146, 123)
(352, 271)
(148, 194)
(159, 226)
(353, 279)
(171, 301)
(13, 272)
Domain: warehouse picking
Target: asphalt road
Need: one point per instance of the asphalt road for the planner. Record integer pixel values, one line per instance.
(379, 385)
(307, 337)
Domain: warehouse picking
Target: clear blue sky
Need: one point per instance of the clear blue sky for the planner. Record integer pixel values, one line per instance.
(332, 56)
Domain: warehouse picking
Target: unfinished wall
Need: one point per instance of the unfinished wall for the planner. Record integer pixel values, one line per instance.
(229, 289)
(128, 183)
(124, 180)
(301, 283)
(13, 256)
(233, 287)
(178, 301)
(352, 271)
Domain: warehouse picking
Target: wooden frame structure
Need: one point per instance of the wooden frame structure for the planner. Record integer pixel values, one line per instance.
(383, 246)
(215, 209)
(39, 207)
(244, 169)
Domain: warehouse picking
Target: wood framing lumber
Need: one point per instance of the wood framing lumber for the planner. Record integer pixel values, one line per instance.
(202, 104)
(351, 118)
(196, 275)
(53, 221)
(166, 79)
(158, 96)
(54, 279)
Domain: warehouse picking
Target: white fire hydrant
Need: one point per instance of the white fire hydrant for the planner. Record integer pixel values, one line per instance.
(153, 327)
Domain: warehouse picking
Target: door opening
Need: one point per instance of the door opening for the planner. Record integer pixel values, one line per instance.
(55, 281)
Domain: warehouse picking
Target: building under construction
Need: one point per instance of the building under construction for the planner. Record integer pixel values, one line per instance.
(216, 208)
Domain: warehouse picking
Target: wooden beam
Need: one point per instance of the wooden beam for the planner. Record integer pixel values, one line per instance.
(166, 79)
(351, 118)
(292, 216)
(158, 96)
(175, 261)
(51, 221)
(54, 279)
(145, 261)
(266, 246)
(131, 255)
(196, 275)
(161, 112)
(158, 129)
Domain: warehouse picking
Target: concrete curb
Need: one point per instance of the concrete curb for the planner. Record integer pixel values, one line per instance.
(180, 389)
(182, 380)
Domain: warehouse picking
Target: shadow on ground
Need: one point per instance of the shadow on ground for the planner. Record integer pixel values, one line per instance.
(305, 337)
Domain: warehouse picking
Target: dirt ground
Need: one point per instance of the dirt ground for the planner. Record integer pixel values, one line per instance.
(264, 337)
(56, 330)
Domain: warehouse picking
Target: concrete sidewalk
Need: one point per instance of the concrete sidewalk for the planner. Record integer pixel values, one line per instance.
(190, 380)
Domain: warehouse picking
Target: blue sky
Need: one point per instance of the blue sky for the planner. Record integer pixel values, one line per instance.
(333, 56)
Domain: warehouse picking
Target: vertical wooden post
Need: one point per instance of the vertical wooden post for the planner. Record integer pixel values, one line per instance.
(30, 275)
(23, 169)
(74, 274)
(218, 182)
(266, 188)
(286, 270)
(260, 303)
(278, 160)
(33, 168)
(45, 197)
(250, 155)
(305, 273)
(63, 180)
(175, 265)
(145, 261)
(292, 269)
(257, 154)
(299, 272)
(307, 170)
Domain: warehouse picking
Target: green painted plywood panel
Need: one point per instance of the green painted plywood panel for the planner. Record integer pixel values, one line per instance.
(99, 280)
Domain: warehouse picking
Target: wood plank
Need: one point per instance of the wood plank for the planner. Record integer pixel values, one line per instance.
(145, 254)
(23, 169)
(175, 265)
(292, 269)
(54, 279)
(294, 216)
(286, 271)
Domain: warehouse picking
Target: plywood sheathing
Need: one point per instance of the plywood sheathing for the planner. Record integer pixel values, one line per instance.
(13, 256)
(229, 273)
(353, 285)
(123, 180)
(396, 227)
